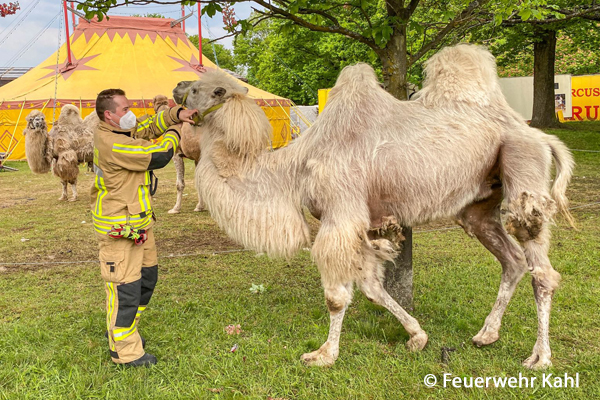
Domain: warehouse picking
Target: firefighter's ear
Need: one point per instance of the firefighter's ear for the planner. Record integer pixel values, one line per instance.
(219, 92)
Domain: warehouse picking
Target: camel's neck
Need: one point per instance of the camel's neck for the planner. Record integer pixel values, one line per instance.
(38, 151)
(253, 197)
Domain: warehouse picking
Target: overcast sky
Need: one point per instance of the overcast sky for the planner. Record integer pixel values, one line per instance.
(36, 15)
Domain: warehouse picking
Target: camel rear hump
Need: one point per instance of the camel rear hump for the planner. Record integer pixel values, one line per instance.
(463, 74)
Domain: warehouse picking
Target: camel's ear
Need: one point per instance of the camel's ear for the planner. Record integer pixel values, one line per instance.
(219, 92)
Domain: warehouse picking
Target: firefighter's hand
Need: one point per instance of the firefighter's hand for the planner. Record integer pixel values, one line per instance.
(186, 115)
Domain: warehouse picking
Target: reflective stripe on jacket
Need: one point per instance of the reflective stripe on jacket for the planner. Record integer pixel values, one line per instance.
(121, 190)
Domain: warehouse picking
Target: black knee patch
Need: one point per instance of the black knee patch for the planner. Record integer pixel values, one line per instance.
(149, 279)
(129, 299)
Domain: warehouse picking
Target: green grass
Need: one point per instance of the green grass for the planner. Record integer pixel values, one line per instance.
(52, 315)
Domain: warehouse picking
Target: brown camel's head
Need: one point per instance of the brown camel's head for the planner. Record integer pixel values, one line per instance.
(213, 89)
(69, 115)
(36, 121)
(160, 102)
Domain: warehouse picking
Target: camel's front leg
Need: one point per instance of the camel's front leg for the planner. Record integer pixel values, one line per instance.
(180, 169)
(200, 205)
(338, 298)
(64, 195)
(74, 190)
(372, 287)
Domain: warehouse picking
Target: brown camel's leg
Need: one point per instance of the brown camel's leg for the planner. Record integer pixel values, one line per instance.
(74, 189)
(200, 205)
(64, 195)
(180, 169)
(482, 219)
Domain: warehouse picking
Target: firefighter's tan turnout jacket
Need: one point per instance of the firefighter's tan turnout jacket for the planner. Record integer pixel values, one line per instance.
(122, 164)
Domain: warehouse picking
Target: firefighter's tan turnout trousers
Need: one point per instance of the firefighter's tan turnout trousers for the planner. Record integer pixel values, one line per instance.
(130, 273)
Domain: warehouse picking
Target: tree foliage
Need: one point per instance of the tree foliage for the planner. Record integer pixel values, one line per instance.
(296, 64)
(577, 52)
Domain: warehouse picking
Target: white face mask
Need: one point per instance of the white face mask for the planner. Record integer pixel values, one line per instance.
(128, 121)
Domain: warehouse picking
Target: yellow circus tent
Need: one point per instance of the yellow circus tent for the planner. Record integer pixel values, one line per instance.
(143, 56)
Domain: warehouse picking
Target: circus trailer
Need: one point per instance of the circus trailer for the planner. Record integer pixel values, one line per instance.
(519, 94)
(585, 92)
(143, 56)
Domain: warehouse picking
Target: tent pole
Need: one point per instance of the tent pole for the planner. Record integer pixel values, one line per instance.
(199, 34)
(183, 15)
(67, 28)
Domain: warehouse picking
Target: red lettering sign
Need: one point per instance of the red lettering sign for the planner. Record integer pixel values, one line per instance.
(589, 114)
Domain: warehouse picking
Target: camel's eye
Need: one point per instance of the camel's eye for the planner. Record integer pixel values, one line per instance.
(193, 91)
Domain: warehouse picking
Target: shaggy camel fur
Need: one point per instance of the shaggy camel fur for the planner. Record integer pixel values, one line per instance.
(371, 163)
(69, 143)
(189, 147)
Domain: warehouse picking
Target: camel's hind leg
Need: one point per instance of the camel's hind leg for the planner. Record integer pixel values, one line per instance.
(528, 220)
(544, 280)
(526, 169)
(64, 195)
(482, 219)
(180, 169)
(74, 190)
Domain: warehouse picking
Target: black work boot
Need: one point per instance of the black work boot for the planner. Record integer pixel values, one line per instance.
(144, 361)
(143, 340)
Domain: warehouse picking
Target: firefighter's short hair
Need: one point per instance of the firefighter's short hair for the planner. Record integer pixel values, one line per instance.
(105, 101)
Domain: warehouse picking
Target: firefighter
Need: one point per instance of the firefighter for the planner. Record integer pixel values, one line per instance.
(124, 159)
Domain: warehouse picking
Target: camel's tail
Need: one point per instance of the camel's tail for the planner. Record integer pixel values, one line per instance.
(564, 170)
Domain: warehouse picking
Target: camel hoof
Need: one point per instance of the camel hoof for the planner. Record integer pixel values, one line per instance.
(198, 209)
(537, 362)
(417, 342)
(485, 337)
(73, 199)
(173, 211)
(62, 198)
(317, 358)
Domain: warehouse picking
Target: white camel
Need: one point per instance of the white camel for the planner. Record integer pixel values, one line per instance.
(371, 163)
(189, 147)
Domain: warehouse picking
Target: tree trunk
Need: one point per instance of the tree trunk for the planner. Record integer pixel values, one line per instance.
(398, 275)
(544, 54)
(394, 62)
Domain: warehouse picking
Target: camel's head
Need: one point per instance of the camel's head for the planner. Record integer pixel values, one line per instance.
(36, 121)
(180, 91)
(160, 102)
(213, 89)
(69, 115)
